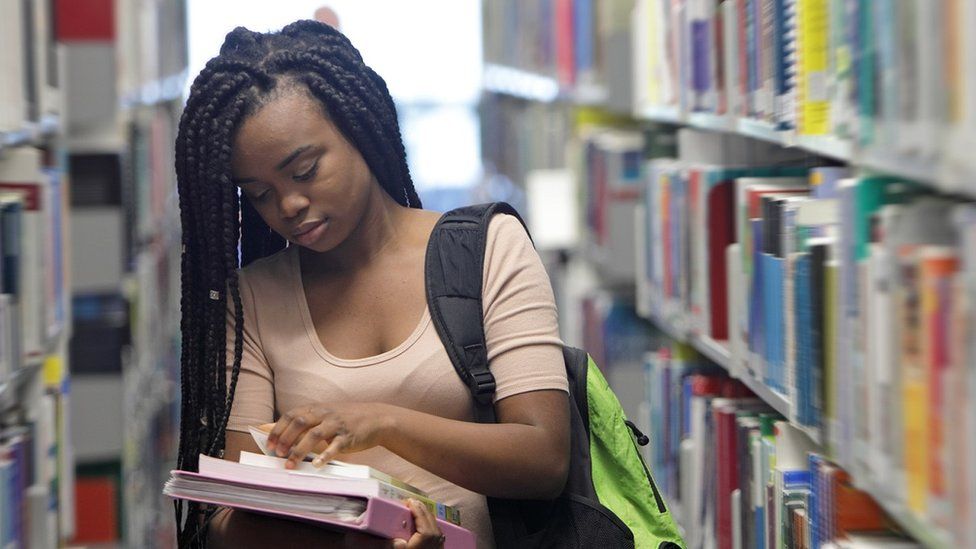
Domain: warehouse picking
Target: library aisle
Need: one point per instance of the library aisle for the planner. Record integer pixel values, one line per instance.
(758, 218)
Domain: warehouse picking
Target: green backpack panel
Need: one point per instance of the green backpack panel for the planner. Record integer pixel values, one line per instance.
(610, 499)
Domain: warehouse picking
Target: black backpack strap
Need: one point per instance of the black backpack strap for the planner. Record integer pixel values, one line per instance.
(454, 271)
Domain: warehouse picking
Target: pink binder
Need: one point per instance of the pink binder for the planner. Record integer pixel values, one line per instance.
(383, 517)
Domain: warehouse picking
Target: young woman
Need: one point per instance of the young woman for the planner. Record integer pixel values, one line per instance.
(290, 137)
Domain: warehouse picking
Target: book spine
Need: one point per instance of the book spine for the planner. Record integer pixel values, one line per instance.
(439, 510)
(937, 269)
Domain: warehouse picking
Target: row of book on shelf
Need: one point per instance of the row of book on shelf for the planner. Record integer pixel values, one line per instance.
(739, 474)
(32, 466)
(735, 471)
(897, 74)
(562, 39)
(34, 461)
(848, 295)
(32, 271)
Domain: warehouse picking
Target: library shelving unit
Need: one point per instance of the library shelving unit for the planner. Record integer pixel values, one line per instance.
(152, 40)
(36, 466)
(882, 91)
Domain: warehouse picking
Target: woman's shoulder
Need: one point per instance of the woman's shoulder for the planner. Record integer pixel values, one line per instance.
(274, 269)
(507, 229)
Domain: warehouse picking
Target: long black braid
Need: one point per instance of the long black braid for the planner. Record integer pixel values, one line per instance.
(217, 220)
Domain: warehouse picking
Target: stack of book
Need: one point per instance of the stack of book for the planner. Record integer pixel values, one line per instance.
(338, 495)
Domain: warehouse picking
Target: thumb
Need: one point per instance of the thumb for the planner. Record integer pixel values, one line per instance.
(399, 544)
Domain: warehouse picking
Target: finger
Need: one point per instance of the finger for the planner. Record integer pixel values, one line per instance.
(308, 442)
(295, 424)
(399, 544)
(423, 519)
(278, 427)
(335, 448)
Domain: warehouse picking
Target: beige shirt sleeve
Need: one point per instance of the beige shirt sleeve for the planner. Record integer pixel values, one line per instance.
(521, 326)
(254, 394)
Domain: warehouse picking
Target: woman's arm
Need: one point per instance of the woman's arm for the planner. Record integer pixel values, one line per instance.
(525, 455)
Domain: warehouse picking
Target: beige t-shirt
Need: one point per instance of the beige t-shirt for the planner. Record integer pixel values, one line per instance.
(285, 366)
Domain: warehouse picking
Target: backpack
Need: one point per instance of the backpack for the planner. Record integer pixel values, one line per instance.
(610, 499)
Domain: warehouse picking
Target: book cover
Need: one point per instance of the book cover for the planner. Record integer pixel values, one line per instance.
(731, 58)
(866, 63)
(803, 324)
(812, 75)
(820, 250)
(747, 428)
(880, 348)
(742, 55)
(720, 232)
(337, 469)
(360, 504)
(565, 43)
(926, 221)
(963, 380)
(937, 268)
(887, 67)
(700, 83)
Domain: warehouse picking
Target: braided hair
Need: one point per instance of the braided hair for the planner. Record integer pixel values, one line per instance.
(251, 70)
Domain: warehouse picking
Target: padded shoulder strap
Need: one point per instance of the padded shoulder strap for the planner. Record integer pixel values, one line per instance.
(454, 271)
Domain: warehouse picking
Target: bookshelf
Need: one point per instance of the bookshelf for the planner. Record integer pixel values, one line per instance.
(36, 457)
(152, 75)
(685, 80)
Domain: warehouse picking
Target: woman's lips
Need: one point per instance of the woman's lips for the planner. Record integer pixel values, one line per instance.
(311, 233)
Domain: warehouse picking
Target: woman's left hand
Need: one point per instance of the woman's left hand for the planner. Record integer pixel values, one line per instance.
(328, 431)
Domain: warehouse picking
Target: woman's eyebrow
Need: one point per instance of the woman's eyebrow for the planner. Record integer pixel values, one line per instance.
(281, 165)
(292, 156)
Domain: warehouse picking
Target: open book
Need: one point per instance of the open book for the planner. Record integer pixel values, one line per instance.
(265, 486)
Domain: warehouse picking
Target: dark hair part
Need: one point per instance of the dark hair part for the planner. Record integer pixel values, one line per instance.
(251, 69)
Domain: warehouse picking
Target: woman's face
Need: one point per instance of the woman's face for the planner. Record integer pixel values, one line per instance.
(306, 180)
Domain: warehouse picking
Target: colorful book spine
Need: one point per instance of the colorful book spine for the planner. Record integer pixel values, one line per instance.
(938, 266)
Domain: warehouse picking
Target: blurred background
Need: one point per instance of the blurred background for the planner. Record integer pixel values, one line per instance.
(756, 214)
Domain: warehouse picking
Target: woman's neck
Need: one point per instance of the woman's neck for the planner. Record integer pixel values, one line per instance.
(377, 231)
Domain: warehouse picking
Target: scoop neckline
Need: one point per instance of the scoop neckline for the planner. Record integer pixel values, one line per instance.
(316, 342)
